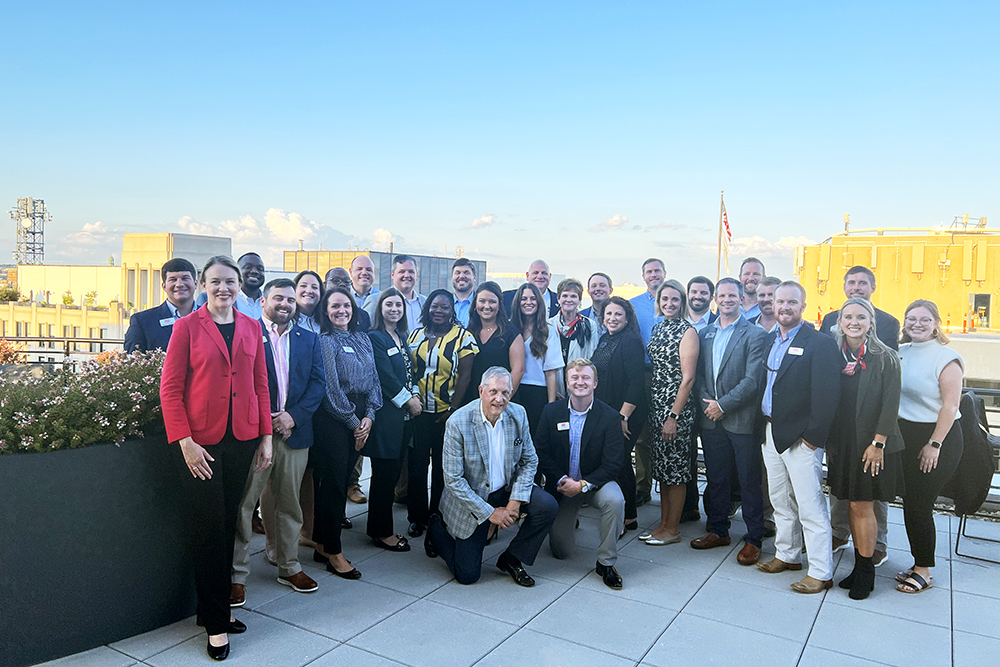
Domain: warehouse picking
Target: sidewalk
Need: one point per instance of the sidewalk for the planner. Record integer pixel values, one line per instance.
(679, 606)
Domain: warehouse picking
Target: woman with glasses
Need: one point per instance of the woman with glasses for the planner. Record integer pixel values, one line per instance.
(932, 432)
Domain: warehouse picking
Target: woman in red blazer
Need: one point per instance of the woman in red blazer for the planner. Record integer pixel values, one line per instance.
(216, 407)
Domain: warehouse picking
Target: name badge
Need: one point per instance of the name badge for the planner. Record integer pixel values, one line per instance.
(710, 335)
(167, 321)
(796, 351)
(266, 341)
(562, 426)
(351, 350)
(392, 351)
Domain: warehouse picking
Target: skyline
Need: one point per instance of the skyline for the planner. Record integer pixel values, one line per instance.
(592, 136)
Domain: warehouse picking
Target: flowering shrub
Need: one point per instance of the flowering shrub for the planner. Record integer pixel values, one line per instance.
(106, 400)
(9, 352)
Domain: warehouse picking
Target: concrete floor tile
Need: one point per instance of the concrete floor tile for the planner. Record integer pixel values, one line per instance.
(897, 539)
(840, 626)
(339, 609)
(691, 640)
(975, 650)
(150, 643)
(789, 614)
(932, 606)
(622, 627)
(102, 656)
(649, 582)
(527, 647)
(411, 572)
(976, 577)
(814, 656)
(976, 614)
(497, 596)
(568, 571)
(355, 657)
(896, 561)
(448, 636)
(680, 555)
(267, 642)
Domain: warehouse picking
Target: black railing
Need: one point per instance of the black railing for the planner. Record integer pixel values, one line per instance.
(47, 348)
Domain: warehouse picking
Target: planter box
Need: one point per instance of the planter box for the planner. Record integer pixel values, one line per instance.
(92, 548)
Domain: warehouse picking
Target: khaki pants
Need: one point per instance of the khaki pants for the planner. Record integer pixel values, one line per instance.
(285, 476)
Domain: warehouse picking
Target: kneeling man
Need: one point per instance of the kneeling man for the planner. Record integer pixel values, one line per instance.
(489, 466)
(581, 451)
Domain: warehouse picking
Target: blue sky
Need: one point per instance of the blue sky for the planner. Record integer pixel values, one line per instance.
(590, 134)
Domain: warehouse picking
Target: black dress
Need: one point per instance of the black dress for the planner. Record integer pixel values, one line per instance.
(494, 352)
(846, 445)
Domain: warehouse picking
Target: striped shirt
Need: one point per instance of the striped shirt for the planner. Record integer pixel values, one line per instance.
(350, 369)
(437, 364)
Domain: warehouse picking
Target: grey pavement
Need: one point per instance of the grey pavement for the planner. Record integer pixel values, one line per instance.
(679, 606)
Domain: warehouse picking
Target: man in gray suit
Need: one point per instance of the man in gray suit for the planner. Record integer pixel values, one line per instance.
(728, 388)
(489, 466)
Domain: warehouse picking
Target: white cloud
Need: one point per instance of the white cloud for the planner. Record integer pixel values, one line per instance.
(92, 233)
(485, 220)
(615, 222)
(761, 247)
(383, 239)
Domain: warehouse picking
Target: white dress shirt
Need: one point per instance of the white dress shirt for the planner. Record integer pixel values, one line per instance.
(495, 435)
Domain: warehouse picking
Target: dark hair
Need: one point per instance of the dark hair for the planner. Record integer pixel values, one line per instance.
(277, 283)
(748, 260)
(677, 287)
(425, 312)
(861, 269)
(462, 261)
(540, 327)
(224, 260)
(177, 265)
(379, 324)
(323, 320)
(732, 281)
(654, 259)
(705, 281)
(402, 259)
(305, 273)
(769, 280)
(249, 254)
(476, 322)
(632, 325)
(603, 275)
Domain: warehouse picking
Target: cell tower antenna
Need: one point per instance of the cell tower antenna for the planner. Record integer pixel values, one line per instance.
(29, 218)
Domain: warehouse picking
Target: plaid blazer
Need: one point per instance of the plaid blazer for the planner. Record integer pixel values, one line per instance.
(466, 460)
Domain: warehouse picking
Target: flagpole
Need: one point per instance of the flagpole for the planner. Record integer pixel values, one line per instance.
(718, 263)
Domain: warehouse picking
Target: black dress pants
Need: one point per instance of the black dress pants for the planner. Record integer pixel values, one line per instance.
(626, 477)
(385, 472)
(332, 458)
(428, 439)
(922, 488)
(212, 508)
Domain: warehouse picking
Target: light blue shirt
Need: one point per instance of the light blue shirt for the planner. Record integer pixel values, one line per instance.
(462, 309)
(248, 306)
(363, 301)
(719, 344)
(778, 350)
(645, 316)
(751, 312)
(701, 322)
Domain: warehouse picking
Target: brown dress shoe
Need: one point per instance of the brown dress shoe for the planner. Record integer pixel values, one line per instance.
(237, 595)
(710, 541)
(810, 585)
(356, 495)
(776, 565)
(300, 582)
(748, 555)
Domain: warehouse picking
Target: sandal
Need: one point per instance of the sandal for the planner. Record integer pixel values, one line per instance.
(904, 575)
(918, 585)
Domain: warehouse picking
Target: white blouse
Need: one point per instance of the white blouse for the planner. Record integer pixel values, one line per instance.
(921, 366)
(534, 368)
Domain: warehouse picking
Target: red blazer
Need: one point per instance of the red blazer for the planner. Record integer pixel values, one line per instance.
(199, 380)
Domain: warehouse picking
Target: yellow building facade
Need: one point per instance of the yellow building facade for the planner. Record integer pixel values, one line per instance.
(956, 268)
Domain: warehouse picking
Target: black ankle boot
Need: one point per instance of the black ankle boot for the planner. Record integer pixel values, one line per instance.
(864, 579)
(848, 581)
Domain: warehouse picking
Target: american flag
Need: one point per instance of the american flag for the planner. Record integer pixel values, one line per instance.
(728, 234)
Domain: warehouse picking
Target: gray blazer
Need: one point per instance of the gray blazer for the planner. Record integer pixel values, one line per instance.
(741, 376)
(466, 460)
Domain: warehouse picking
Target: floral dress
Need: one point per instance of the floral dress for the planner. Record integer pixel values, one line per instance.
(671, 463)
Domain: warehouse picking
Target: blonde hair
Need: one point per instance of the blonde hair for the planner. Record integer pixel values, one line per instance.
(674, 285)
(938, 334)
(872, 341)
(570, 285)
(578, 363)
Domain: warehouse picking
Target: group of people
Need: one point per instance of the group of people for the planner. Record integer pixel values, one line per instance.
(525, 408)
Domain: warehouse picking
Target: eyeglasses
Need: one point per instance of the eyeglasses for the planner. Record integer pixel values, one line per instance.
(923, 320)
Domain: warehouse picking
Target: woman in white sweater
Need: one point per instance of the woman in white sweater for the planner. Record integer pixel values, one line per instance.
(932, 433)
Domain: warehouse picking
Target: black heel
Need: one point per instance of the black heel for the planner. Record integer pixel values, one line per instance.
(864, 580)
(218, 652)
(848, 581)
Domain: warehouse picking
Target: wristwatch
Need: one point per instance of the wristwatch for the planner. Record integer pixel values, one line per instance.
(878, 445)
(585, 486)
(935, 444)
(624, 417)
(673, 415)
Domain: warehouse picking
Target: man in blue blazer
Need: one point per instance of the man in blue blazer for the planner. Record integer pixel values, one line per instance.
(297, 382)
(581, 450)
(801, 394)
(150, 329)
(489, 467)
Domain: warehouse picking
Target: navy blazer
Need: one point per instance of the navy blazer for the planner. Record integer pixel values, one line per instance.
(602, 445)
(508, 303)
(386, 441)
(806, 391)
(150, 329)
(306, 382)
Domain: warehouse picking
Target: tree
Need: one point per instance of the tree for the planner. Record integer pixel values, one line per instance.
(90, 298)
(9, 293)
(67, 298)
